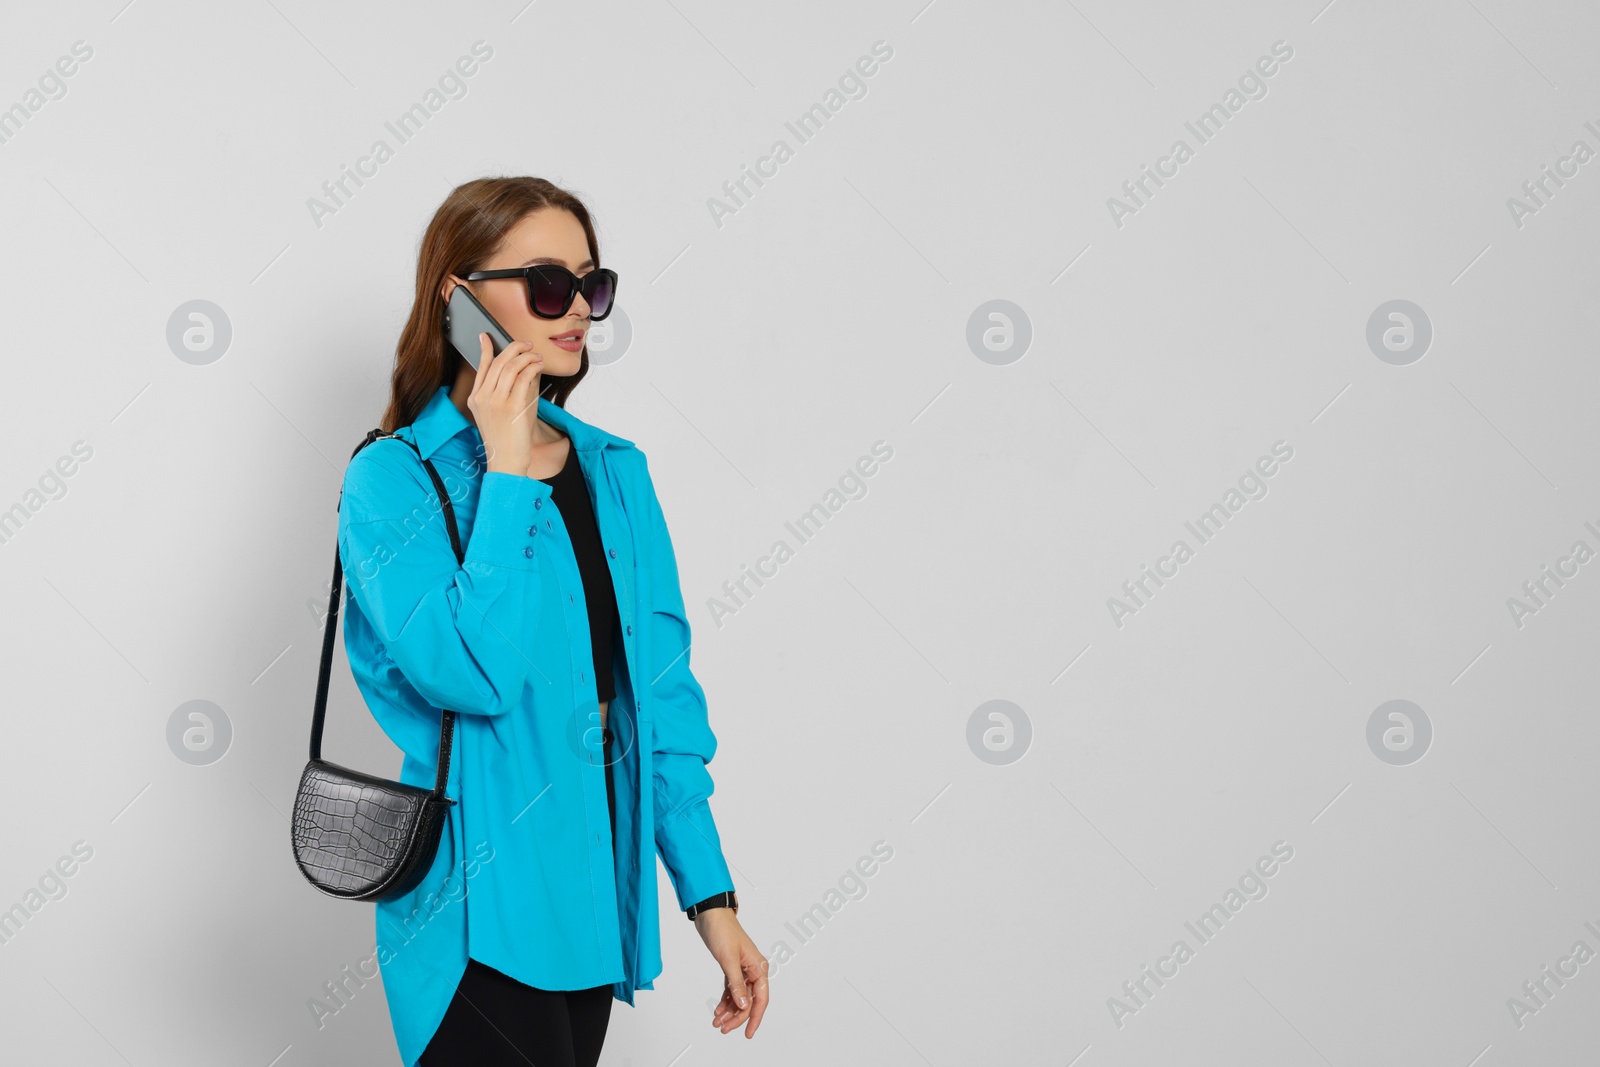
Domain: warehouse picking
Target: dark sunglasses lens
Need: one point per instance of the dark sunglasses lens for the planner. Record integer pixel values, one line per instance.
(599, 287)
(549, 293)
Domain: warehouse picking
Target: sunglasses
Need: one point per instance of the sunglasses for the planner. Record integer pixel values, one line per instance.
(552, 288)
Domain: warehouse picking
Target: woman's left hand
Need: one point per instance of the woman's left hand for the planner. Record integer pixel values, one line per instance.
(745, 987)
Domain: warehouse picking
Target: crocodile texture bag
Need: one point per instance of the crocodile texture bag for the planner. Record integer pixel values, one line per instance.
(358, 836)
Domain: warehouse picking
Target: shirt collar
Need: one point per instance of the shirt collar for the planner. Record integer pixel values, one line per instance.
(441, 420)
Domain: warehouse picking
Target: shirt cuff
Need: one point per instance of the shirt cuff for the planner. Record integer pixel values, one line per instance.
(505, 525)
(692, 851)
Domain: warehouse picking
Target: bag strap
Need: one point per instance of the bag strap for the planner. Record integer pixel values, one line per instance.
(324, 669)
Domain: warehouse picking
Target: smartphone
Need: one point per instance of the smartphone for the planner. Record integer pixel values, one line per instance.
(465, 319)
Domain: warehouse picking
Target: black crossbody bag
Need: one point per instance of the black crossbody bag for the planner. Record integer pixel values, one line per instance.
(358, 836)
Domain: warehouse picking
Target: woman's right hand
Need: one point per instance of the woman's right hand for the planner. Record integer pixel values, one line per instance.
(502, 403)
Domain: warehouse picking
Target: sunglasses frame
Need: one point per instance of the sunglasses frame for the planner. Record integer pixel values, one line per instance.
(576, 285)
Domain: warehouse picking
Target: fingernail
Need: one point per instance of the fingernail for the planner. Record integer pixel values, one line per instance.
(741, 1002)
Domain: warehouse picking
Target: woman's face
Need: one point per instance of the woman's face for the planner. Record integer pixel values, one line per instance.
(549, 235)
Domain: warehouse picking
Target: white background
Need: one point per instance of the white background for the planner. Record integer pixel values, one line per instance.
(188, 558)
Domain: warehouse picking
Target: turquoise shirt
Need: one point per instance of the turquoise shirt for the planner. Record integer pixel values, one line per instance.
(526, 879)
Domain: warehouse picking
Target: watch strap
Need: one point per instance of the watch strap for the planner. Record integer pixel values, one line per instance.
(725, 899)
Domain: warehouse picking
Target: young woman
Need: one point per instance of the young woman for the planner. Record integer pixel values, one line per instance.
(561, 642)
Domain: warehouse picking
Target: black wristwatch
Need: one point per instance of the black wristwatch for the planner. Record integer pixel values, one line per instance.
(721, 900)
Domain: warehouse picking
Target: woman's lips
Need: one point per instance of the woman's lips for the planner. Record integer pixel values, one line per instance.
(569, 343)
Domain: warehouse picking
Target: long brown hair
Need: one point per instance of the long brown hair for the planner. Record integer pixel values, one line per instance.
(463, 234)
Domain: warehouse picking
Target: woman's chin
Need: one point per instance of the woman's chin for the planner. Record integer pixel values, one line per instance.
(562, 364)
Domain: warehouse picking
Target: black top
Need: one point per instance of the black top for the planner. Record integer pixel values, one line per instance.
(570, 493)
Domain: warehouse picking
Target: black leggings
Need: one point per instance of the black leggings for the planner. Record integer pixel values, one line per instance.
(495, 1019)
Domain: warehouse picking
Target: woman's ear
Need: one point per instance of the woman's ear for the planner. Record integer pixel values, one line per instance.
(448, 287)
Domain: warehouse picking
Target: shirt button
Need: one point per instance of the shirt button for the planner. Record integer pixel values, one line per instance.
(630, 631)
(532, 530)
(538, 501)
(613, 553)
(528, 552)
